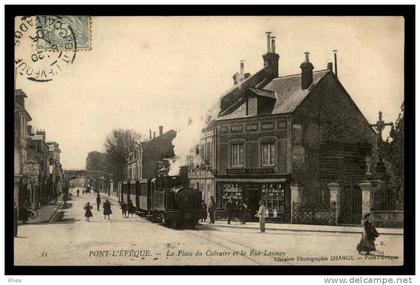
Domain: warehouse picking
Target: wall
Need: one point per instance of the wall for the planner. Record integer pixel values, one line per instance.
(252, 132)
(336, 139)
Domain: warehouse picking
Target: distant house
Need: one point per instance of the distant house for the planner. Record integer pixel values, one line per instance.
(150, 157)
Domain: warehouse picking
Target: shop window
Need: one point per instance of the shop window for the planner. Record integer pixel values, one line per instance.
(274, 199)
(233, 191)
(237, 155)
(268, 154)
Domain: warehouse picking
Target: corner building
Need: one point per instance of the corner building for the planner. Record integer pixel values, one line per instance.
(284, 139)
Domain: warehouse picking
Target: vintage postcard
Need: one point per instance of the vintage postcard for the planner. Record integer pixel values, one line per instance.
(208, 140)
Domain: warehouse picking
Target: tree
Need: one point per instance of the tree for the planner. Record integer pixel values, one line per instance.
(96, 161)
(393, 152)
(118, 145)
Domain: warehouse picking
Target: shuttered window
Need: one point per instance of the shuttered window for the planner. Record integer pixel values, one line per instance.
(237, 155)
(268, 154)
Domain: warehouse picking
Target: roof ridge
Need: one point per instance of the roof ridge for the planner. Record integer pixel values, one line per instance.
(299, 74)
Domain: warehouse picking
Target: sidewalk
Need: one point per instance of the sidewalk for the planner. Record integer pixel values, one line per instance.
(44, 213)
(305, 228)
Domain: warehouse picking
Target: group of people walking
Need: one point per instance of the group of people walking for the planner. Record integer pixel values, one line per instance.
(233, 210)
(107, 211)
(127, 209)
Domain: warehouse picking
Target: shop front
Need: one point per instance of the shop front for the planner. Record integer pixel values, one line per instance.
(275, 193)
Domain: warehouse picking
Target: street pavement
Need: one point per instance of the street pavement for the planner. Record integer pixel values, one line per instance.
(136, 241)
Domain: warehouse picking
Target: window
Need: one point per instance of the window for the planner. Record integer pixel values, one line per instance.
(267, 154)
(237, 155)
(208, 150)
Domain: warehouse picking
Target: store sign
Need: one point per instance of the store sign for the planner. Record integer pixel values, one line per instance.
(31, 169)
(298, 157)
(269, 170)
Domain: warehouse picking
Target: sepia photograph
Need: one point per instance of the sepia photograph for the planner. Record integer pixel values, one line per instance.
(208, 140)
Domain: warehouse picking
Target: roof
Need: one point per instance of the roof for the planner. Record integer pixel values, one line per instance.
(287, 90)
(19, 108)
(233, 94)
(263, 93)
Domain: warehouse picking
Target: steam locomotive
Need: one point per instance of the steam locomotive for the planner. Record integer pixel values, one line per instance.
(166, 199)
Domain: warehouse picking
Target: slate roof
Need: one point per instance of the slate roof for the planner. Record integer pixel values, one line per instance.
(263, 93)
(287, 90)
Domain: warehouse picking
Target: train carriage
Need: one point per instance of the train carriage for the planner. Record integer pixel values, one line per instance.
(132, 192)
(145, 196)
(166, 199)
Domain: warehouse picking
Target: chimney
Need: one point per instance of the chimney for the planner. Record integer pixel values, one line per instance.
(268, 41)
(335, 62)
(160, 130)
(330, 66)
(41, 133)
(236, 78)
(154, 134)
(273, 44)
(271, 58)
(150, 133)
(242, 69)
(307, 76)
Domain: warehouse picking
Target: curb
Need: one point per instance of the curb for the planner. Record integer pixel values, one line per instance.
(55, 212)
(308, 230)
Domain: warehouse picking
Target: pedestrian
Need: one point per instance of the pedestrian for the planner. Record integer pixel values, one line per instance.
(243, 208)
(107, 208)
(262, 214)
(369, 234)
(15, 218)
(98, 201)
(130, 208)
(212, 210)
(78, 192)
(203, 211)
(229, 208)
(124, 209)
(88, 212)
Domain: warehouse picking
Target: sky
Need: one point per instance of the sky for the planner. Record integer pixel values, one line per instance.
(142, 72)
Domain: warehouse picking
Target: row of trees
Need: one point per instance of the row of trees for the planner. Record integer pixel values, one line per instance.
(392, 151)
(118, 144)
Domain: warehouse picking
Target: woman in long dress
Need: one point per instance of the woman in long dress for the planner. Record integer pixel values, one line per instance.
(107, 209)
(369, 234)
(88, 212)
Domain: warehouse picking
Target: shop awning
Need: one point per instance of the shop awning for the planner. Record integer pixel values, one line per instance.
(252, 180)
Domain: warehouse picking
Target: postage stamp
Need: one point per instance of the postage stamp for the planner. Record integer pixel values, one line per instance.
(55, 36)
(44, 45)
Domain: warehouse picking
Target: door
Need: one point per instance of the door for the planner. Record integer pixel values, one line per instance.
(252, 200)
(351, 205)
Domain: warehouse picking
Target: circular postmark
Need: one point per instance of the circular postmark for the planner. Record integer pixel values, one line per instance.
(44, 46)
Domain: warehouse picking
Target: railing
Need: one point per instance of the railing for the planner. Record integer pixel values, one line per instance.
(313, 214)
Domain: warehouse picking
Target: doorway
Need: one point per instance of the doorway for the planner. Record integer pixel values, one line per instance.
(252, 199)
(351, 205)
